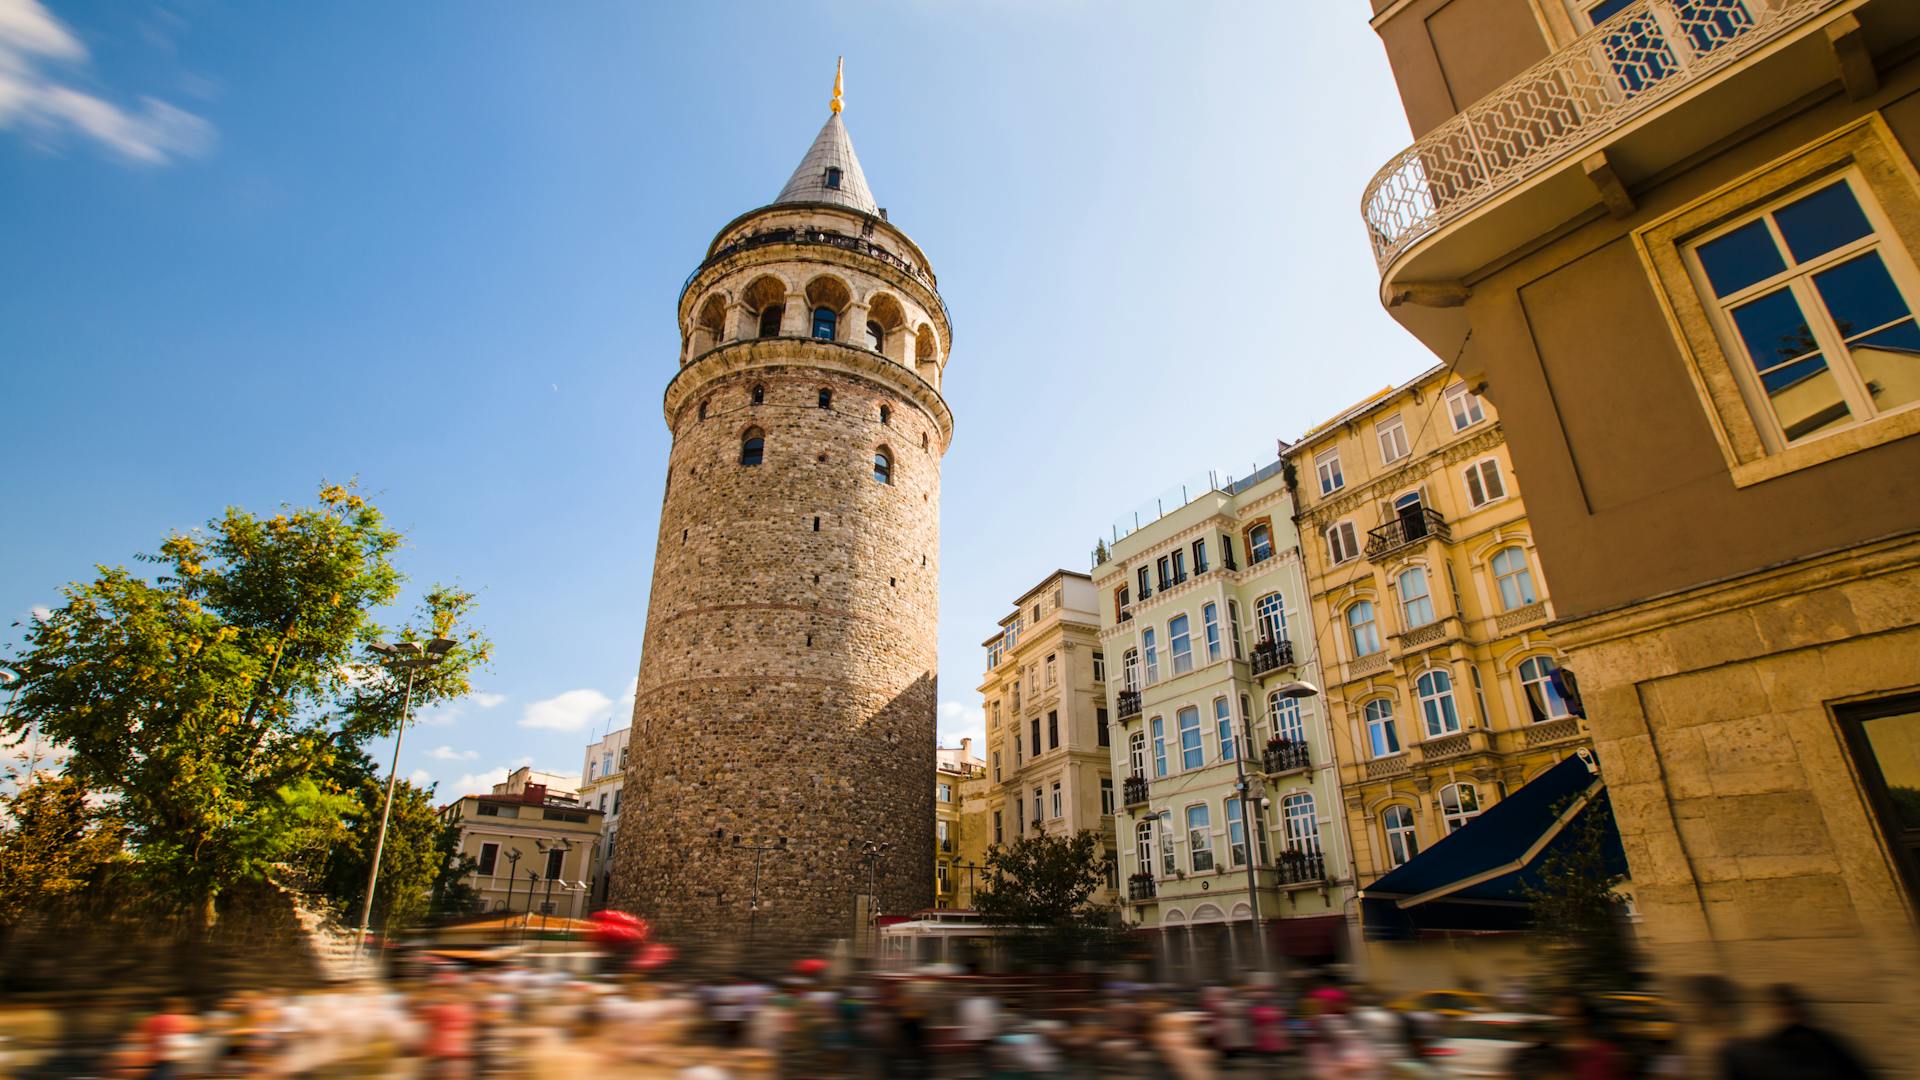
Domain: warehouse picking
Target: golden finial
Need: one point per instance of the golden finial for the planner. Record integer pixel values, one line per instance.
(839, 68)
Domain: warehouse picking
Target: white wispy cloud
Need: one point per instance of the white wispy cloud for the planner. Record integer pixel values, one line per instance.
(959, 720)
(41, 614)
(41, 62)
(569, 711)
(448, 753)
(447, 712)
(486, 701)
(478, 783)
(419, 778)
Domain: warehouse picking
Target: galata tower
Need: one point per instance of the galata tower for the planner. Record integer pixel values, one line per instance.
(786, 692)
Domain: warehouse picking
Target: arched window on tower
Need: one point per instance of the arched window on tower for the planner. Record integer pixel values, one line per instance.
(876, 337)
(770, 320)
(753, 446)
(886, 414)
(759, 394)
(825, 322)
(883, 465)
(826, 398)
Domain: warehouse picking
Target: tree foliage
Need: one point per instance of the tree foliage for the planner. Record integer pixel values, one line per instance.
(1579, 920)
(218, 702)
(409, 863)
(1044, 881)
(53, 843)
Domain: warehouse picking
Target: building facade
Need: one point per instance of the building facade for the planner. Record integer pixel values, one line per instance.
(955, 781)
(1045, 696)
(1682, 236)
(1204, 613)
(1432, 612)
(787, 680)
(602, 775)
(535, 847)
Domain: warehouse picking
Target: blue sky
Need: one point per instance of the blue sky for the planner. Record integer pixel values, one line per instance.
(436, 246)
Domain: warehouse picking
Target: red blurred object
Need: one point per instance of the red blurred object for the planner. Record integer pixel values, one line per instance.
(656, 955)
(810, 967)
(619, 928)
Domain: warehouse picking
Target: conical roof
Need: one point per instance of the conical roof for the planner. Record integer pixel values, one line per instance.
(813, 183)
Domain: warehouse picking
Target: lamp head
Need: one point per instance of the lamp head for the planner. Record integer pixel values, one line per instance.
(1299, 688)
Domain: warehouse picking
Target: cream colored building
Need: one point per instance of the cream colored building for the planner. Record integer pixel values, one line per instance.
(957, 779)
(535, 846)
(602, 777)
(1432, 613)
(1045, 697)
(1203, 608)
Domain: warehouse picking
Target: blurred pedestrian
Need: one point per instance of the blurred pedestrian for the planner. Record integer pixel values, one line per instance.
(1794, 1048)
(169, 1039)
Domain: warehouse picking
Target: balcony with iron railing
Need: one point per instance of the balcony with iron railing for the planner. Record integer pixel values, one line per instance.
(1134, 791)
(1126, 704)
(1140, 888)
(1285, 756)
(1408, 528)
(1301, 867)
(1649, 86)
(1270, 655)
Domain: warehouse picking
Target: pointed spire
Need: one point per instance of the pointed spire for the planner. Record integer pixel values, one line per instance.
(839, 84)
(830, 173)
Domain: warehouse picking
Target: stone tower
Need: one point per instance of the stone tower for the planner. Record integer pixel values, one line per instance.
(787, 675)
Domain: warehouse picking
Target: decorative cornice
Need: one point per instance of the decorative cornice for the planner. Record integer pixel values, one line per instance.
(772, 353)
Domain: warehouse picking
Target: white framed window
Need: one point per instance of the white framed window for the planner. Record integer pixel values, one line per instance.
(1169, 861)
(1288, 726)
(1053, 671)
(1236, 832)
(1513, 578)
(1019, 816)
(1300, 826)
(1821, 307)
(1363, 633)
(1536, 684)
(1392, 433)
(1342, 542)
(1039, 806)
(1484, 484)
(1055, 792)
(1106, 795)
(1326, 464)
(1137, 753)
(1193, 753)
(1435, 690)
(1130, 669)
(1143, 846)
(1383, 739)
(1180, 644)
(1199, 838)
(1463, 406)
(1099, 666)
(1223, 727)
(1402, 845)
(1233, 628)
(1459, 804)
(1159, 727)
(1153, 655)
(1270, 617)
(1259, 544)
(943, 831)
(996, 766)
(1416, 600)
(946, 792)
(1210, 626)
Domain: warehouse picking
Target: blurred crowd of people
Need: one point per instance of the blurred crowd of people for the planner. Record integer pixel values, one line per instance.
(521, 1023)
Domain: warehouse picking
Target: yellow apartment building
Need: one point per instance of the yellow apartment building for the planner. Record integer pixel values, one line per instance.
(959, 833)
(535, 847)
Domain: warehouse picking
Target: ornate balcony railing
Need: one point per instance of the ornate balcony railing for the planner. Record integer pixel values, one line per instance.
(1134, 790)
(815, 236)
(1391, 765)
(1552, 731)
(1645, 54)
(1301, 867)
(1521, 616)
(1269, 654)
(1126, 703)
(1286, 755)
(1368, 664)
(1407, 529)
(1446, 746)
(1140, 887)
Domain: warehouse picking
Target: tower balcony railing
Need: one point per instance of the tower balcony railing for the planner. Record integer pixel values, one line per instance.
(1270, 655)
(841, 240)
(1134, 790)
(1409, 528)
(1647, 53)
(1126, 704)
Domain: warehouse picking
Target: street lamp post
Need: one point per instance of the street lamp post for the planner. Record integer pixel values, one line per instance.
(513, 873)
(410, 656)
(546, 905)
(872, 852)
(753, 906)
(1295, 690)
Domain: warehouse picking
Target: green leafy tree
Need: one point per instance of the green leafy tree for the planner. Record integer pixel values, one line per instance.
(409, 863)
(1579, 920)
(452, 892)
(1041, 887)
(216, 701)
(54, 843)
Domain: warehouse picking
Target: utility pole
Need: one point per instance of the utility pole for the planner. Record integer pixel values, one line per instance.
(759, 850)
(872, 852)
(513, 874)
(1249, 821)
(410, 656)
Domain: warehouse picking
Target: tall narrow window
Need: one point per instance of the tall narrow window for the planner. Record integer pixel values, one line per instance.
(883, 466)
(1193, 753)
(1130, 670)
(1169, 862)
(1484, 484)
(1259, 544)
(1058, 810)
(1199, 838)
(770, 317)
(1143, 846)
(1393, 439)
(489, 859)
(1146, 582)
(1300, 823)
(1513, 577)
(1382, 738)
(1199, 557)
(1210, 620)
(1099, 666)
(1287, 725)
(1223, 727)
(825, 322)
(1053, 729)
(1536, 685)
(1039, 806)
(1179, 566)
(1137, 754)
(1436, 702)
(1416, 602)
(1362, 633)
(1153, 656)
(876, 337)
(1233, 628)
(1180, 643)
(1236, 832)
(1159, 727)
(1270, 617)
(1327, 465)
(1342, 544)
(1165, 566)
(759, 394)
(886, 414)
(1036, 736)
(1397, 823)
(1053, 669)
(1102, 730)
(1459, 804)
(752, 447)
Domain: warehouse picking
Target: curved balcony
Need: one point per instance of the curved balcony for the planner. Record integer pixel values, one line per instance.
(828, 237)
(1270, 655)
(1524, 145)
(1126, 704)
(1135, 791)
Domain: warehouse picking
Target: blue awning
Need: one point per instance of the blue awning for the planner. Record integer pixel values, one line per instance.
(1476, 880)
